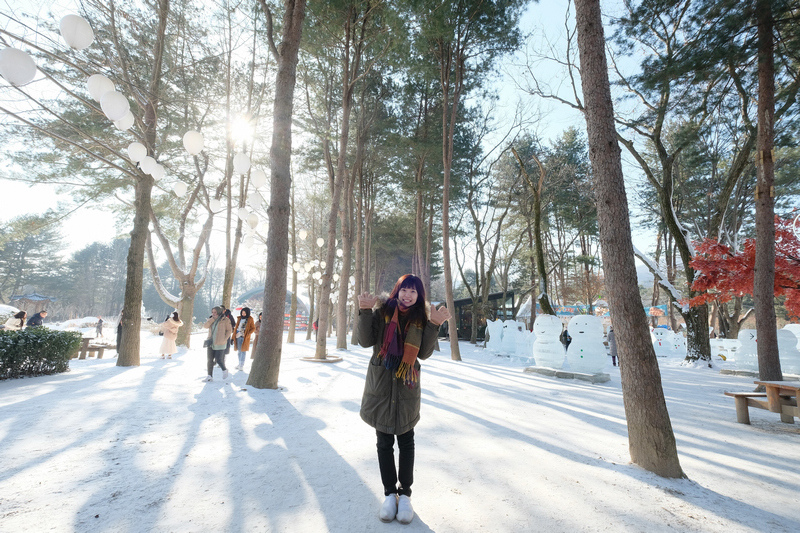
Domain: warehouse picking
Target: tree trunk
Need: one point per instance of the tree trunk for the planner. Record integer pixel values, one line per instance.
(132, 309)
(342, 320)
(266, 365)
(419, 223)
(359, 241)
(697, 341)
(311, 310)
(769, 364)
(473, 336)
(452, 329)
(293, 306)
(426, 271)
(650, 437)
(186, 312)
(543, 299)
(340, 179)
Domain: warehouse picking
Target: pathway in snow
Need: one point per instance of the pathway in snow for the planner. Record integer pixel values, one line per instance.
(154, 448)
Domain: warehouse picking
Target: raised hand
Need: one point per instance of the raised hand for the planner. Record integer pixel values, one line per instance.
(439, 316)
(366, 300)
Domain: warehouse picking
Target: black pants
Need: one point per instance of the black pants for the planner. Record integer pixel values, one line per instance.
(389, 474)
(215, 356)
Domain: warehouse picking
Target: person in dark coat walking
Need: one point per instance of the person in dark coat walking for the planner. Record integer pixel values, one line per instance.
(37, 319)
(119, 333)
(401, 334)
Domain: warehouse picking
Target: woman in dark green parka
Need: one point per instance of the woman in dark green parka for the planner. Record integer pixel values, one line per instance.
(401, 333)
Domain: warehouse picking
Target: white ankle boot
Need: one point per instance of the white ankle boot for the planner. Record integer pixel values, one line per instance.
(405, 513)
(389, 508)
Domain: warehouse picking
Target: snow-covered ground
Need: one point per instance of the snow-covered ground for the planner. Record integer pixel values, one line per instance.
(155, 448)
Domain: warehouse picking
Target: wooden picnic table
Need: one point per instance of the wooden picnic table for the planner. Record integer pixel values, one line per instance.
(782, 398)
(87, 348)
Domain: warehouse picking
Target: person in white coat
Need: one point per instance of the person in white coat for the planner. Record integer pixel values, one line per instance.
(17, 321)
(170, 328)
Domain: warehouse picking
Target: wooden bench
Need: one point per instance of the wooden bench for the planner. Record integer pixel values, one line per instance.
(744, 400)
(88, 349)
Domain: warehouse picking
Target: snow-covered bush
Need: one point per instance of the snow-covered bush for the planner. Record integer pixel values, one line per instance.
(36, 351)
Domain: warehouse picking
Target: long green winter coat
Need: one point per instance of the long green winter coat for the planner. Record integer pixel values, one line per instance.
(388, 405)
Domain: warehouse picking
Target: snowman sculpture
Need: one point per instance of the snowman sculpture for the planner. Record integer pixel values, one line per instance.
(679, 344)
(662, 341)
(525, 341)
(747, 354)
(495, 330)
(509, 342)
(789, 355)
(586, 352)
(547, 348)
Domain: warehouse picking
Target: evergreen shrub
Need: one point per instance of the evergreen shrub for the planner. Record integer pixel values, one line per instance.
(36, 351)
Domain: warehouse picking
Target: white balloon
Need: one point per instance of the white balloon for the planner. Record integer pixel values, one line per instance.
(339, 252)
(252, 220)
(158, 172)
(215, 204)
(336, 277)
(180, 188)
(137, 152)
(303, 234)
(76, 32)
(323, 264)
(16, 66)
(98, 85)
(242, 212)
(320, 242)
(193, 142)
(258, 177)
(256, 198)
(125, 122)
(114, 105)
(241, 163)
(296, 266)
(147, 164)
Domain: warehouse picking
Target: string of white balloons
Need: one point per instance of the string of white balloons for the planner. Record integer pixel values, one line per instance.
(18, 68)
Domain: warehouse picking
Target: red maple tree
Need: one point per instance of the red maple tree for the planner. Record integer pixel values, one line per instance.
(723, 274)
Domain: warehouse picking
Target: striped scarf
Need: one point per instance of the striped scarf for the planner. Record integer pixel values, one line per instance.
(393, 357)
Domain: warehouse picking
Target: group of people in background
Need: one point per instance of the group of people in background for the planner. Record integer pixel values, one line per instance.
(223, 332)
(18, 321)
